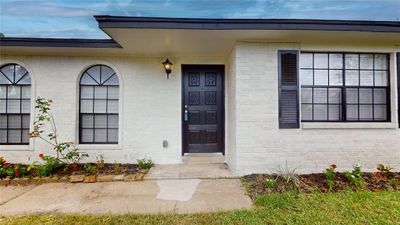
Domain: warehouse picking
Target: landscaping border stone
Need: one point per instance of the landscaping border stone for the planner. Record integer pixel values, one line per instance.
(76, 178)
(105, 178)
(119, 177)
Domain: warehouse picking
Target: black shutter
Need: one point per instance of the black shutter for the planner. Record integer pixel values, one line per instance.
(398, 87)
(288, 89)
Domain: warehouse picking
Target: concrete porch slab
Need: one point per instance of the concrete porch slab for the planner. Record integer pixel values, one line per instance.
(208, 195)
(190, 171)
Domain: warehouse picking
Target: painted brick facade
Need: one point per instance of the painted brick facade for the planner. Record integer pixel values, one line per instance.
(150, 106)
(262, 147)
(150, 112)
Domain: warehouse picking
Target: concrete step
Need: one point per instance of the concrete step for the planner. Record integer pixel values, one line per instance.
(190, 171)
(203, 158)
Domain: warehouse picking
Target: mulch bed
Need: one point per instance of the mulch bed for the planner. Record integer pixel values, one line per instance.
(77, 173)
(79, 169)
(255, 183)
(109, 169)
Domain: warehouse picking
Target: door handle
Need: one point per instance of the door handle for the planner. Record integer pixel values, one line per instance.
(186, 115)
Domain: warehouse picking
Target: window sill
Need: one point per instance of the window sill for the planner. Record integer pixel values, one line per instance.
(15, 148)
(354, 125)
(99, 147)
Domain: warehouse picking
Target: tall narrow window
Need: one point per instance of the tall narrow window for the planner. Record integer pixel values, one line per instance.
(99, 97)
(15, 104)
(345, 87)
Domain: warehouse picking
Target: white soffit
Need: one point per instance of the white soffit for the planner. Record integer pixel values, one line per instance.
(181, 42)
(147, 42)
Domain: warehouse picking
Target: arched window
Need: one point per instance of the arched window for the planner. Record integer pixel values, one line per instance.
(15, 104)
(98, 113)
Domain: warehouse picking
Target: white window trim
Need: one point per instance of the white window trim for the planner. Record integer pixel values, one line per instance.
(349, 125)
(99, 147)
(90, 146)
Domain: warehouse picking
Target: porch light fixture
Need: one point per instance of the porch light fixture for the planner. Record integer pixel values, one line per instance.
(168, 67)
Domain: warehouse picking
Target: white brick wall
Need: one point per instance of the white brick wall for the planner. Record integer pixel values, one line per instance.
(150, 112)
(150, 105)
(230, 110)
(261, 146)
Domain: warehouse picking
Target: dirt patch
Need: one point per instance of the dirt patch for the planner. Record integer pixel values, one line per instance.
(255, 183)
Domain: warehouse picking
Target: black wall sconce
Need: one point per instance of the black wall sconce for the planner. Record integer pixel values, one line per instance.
(168, 67)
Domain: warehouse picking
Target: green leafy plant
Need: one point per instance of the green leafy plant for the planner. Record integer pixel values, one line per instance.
(3, 172)
(330, 175)
(19, 170)
(289, 175)
(145, 164)
(66, 152)
(11, 170)
(394, 183)
(4, 167)
(100, 162)
(90, 168)
(51, 164)
(116, 168)
(355, 176)
(270, 183)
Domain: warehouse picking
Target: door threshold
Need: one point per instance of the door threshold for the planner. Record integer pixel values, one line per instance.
(204, 154)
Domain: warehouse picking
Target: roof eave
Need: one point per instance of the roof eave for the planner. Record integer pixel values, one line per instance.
(106, 21)
(59, 42)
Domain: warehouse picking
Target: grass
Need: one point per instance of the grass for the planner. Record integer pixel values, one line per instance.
(361, 207)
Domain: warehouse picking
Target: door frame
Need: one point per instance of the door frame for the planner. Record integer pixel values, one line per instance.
(220, 67)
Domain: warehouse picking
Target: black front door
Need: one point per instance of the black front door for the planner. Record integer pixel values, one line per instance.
(203, 108)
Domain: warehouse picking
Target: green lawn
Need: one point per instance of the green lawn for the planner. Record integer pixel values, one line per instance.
(335, 208)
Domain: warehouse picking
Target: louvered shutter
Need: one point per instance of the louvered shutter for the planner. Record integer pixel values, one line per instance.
(398, 86)
(288, 89)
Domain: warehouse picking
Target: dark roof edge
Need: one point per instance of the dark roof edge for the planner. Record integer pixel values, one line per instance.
(106, 21)
(59, 42)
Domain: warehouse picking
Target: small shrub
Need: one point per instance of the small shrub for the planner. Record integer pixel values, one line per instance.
(384, 173)
(90, 168)
(289, 175)
(145, 164)
(384, 169)
(5, 167)
(100, 162)
(11, 170)
(394, 183)
(270, 183)
(19, 171)
(51, 164)
(330, 175)
(3, 172)
(116, 168)
(355, 176)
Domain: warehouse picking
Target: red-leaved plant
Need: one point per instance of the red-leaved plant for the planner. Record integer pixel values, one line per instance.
(330, 174)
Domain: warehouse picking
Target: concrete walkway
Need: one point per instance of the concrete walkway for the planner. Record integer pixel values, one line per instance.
(151, 196)
(190, 171)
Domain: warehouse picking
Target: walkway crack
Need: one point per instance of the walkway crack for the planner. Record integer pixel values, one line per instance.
(17, 196)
